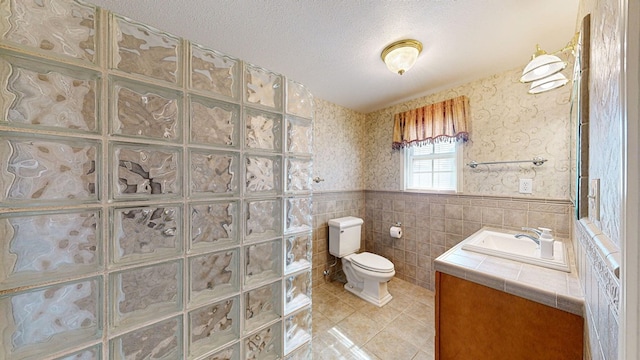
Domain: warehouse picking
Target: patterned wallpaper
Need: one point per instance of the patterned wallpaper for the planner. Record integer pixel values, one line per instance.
(338, 147)
(605, 149)
(600, 284)
(506, 124)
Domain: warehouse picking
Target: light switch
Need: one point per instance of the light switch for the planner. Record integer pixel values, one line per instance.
(594, 199)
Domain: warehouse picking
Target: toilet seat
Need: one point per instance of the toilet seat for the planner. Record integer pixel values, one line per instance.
(372, 262)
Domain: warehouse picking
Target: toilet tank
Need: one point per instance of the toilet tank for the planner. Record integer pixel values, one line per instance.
(344, 235)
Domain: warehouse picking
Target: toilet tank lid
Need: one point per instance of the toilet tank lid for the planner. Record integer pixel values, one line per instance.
(345, 222)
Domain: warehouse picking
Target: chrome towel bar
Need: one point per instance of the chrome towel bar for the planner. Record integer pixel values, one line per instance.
(537, 161)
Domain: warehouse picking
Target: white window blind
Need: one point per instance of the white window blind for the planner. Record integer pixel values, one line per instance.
(432, 167)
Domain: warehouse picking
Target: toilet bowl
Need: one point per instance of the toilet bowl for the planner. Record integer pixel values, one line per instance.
(367, 274)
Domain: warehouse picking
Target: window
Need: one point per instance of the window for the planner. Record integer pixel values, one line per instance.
(434, 167)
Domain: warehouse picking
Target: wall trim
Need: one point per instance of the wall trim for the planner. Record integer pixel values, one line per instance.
(589, 237)
(474, 196)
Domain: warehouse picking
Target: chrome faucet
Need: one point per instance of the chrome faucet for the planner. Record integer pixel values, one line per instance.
(536, 231)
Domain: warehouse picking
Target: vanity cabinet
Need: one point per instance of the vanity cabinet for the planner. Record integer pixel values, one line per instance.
(477, 322)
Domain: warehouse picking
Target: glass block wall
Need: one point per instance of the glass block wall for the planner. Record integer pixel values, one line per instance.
(155, 195)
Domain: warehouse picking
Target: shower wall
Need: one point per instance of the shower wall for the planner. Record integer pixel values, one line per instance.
(155, 195)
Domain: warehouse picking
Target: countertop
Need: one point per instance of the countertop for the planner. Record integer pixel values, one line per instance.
(553, 288)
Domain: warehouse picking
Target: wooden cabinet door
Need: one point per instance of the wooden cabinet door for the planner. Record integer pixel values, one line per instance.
(478, 322)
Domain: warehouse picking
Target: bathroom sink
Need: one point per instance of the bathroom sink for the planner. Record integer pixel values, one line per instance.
(507, 246)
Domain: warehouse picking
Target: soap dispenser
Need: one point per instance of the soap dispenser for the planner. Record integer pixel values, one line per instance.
(546, 243)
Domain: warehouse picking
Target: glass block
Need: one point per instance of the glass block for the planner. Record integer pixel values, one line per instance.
(214, 123)
(213, 173)
(299, 136)
(298, 175)
(60, 27)
(140, 294)
(141, 110)
(141, 49)
(48, 246)
(262, 305)
(213, 326)
(298, 213)
(263, 174)
(304, 352)
(48, 170)
(262, 87)
(214, 276)
(297, 252)
(39, 322)
(230, 353)
(265, 344)
(262, 262)
(263, 130)
(299, 100)
(263, 219)
(297, 291)
(297, 330)
(92, 353)
(161, 340)
(43, 95)
(214, 225)
(145, 171)
(214, 72)
(144, 233)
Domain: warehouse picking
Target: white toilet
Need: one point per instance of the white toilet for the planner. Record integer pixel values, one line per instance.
(367, 273)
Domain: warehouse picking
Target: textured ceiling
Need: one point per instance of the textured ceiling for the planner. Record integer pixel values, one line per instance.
(333, 46)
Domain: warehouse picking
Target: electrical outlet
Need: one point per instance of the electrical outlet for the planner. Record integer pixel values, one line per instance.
(526, 186)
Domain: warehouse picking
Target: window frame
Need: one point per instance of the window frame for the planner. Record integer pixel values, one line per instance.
(406, 173)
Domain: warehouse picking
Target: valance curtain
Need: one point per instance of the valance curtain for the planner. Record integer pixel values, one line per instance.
(444, 121)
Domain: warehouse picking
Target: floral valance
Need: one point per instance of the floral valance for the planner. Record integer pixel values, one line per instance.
(444, 121)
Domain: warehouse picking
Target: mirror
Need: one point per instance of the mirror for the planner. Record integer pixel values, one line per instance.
(579, 122)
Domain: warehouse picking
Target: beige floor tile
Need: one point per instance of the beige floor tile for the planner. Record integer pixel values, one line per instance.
(336, 311)
(401, 301)
(347, 327)
(383, 315)
(422, 312)
(421, 355)
(391, 347)
(423, 295)
(359, 328)
(398, 285)
(320, 323)
(351, 299)
(411, 330)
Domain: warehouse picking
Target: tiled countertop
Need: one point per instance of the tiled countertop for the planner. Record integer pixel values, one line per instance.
(553, 288)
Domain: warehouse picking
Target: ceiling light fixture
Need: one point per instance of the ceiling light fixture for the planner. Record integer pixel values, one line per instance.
(543, 71)
(401, 55)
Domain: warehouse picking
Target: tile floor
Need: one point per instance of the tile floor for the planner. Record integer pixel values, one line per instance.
(347, 327)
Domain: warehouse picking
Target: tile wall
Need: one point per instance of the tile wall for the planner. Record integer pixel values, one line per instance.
(433, 224)
(327, 206)
(155, 195)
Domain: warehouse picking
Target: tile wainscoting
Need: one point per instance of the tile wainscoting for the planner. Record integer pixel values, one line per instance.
(434, 223)
(326, 206)
(431, 223)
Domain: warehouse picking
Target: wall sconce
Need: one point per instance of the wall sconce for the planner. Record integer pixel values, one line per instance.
(543, 71)
(548, 83)
(401, 55)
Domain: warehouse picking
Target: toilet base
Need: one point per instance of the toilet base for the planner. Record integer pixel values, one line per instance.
(375, 293)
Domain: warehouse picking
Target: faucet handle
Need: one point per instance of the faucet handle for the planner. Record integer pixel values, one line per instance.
(535, 231)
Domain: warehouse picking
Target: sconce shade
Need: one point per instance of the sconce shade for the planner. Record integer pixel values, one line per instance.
(549, 83)
(542, 66)
(401, 55)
